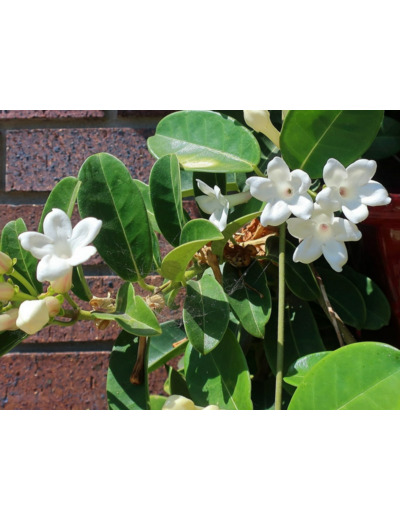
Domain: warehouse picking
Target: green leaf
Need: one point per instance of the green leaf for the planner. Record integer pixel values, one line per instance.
(387, 142)
(301, 333)
(145, 191)
(176, 384)
(248, 296)
(26, 263)
(63, 196)
(162, 347)
(376, 303)
(10, 339)
(205, 313)
(299, 277)
(310, 137)
(109, 194)
(218, 247)
(360, 376)
(157, 402)
(344, 297)
(166, 198)
(195, 235)
(121, 393)
(206, 141)
(300, 368)
(220, 377)
(132, 313)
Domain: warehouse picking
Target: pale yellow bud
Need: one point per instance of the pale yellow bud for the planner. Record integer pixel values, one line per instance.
(33, 315)
(63, 284)
(5, 263)
(260, 121)
(53, 305)
(7, 291)
(211, 407)
(8, 319)
(178, 402)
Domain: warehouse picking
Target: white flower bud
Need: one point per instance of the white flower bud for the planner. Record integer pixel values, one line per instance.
(258, 120)
(53, 305)
(62, 284)
(211, 407)
(5, 263)
(33, 315)
(178, 402)
(7, 291)
(8, 319)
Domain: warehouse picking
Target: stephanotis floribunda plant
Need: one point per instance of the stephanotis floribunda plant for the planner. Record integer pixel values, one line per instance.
(274, 310)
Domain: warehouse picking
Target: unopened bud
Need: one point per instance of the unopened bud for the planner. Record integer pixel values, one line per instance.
(258, 120)
(178, 402)
(53, 305)
(5, 263)
(7, 291)
(8, 319)
(33, 315)
(63, 284)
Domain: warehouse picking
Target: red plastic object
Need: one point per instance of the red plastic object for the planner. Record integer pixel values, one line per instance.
(381, 244)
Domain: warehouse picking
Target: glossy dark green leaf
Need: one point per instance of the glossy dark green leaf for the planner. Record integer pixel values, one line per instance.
(206, 141)
(220, 377)
(63, 196)
(195, 235)
(26, 263)
(121, 393)
(248, 296)
(132, 313)
(310, 137)
(300, 368)
(10, 339)
(145, 191)
(299, 277)
(376, 303)
(109, 194)
(387, 142)
(301, 333)
(205, 313)
(162, 347)
(360, 376)
(166, 198)
(344, 297)
(176, 384)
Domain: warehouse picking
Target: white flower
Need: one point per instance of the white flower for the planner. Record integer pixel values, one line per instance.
(8, 319)
(217, 205)
(260, 121)
(323, 234)
(33, 315)
(60, 247)
(284, 191)
(178, 402)
(351, 189)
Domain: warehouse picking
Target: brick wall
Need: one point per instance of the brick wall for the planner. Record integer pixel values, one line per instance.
(60, 367)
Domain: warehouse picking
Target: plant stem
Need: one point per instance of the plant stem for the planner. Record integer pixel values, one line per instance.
(281, 318)
(146, 286)
(70, 301)
(258, 171)
(15, 274)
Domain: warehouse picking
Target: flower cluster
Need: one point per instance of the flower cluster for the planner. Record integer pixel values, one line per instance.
(315, 224)
(58, 249)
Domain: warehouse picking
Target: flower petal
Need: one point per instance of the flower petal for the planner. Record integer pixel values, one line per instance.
(303, 207)
(85, 232)
(361, 171)
(308, 250)
(300, 228)
(220, 217)
(345, 231)
(205, 188)
(33, 315)
(354, 210)
(37, 243)
(334, 173)
(329, 199)
(261, 188)
(52, 267)
(207, 204)
(301, 180)
(57, 225)
(374, 194)
(81, 254)
(278, 171)
(335, 254)
(275, 214)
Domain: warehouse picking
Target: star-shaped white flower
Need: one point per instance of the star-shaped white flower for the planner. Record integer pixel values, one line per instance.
(285, 192)
(351, 189)
(60, 248)
(323, 234)
(217, 205)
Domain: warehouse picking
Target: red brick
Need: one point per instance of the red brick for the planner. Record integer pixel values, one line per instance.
(37, 159)
(50, 114)
(59, 381)
(30, 213)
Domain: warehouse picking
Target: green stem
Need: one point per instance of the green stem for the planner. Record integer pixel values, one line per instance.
(146, 286)
(70, 301)
(281, 318)
(15, 274)
(258, 171)
(21, 296)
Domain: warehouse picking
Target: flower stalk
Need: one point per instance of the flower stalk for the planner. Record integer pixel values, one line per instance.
(281, 318)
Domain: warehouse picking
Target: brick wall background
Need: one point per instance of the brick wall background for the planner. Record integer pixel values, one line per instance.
(62, 367)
